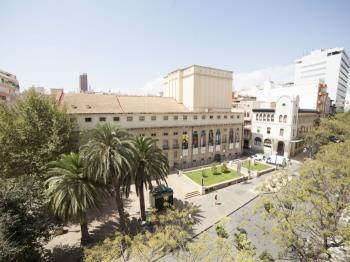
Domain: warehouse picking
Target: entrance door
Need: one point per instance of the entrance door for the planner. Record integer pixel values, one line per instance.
(280, 148)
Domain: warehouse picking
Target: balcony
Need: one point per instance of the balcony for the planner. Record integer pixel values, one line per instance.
(165, 147)
(176, 146)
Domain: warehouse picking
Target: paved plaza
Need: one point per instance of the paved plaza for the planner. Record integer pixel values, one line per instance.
(233, 201)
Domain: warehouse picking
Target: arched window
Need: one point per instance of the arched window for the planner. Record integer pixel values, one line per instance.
(260, 117)
(257, 141)
(257, 117)
(280, 119)
(285, 119)
(264, 117)
(267, 143)
(272, 117)
(268, 117)
(268, 130)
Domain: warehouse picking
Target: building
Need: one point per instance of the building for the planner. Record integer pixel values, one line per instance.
(246, 104)
(191, 124)
(83, 83)
(280, 128)
(330, 65)
(312, 94)
(9, 86)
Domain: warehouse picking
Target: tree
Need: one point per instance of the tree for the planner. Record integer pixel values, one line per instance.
(214, 169)
(25, 222)
(108, 157)
(72, 193)
(33, 132)
(334, 129)
(224, 168)
(150, 164)
(242, 242)
(309, 211)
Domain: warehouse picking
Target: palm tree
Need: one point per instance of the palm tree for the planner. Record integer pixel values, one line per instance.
(108, 156)
(150, 165)
(71, 192)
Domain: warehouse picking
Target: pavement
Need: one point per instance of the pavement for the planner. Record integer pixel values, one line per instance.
(229, 201)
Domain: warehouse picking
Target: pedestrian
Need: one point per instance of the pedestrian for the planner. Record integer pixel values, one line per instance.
(216, 198)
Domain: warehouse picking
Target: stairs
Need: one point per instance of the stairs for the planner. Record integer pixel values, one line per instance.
(192, 194)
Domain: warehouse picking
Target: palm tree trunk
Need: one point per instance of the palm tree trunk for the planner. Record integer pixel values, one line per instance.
(142, 202)
(120, 207)
(85, 237)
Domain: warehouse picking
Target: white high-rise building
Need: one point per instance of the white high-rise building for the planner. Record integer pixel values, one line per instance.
(330, 65)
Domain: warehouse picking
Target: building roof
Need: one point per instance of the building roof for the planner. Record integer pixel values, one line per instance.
(84, 103)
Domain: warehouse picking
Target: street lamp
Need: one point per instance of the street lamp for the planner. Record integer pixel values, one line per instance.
(181, 163)
(249, 167)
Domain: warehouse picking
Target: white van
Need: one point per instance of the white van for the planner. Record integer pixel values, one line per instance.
(277, 160)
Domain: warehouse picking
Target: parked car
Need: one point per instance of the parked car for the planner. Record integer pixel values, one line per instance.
(277, 160)
(258, 157)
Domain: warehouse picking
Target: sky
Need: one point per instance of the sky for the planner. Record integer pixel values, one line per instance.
(128, 46)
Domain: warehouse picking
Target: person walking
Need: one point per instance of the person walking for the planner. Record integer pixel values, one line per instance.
(216, 198)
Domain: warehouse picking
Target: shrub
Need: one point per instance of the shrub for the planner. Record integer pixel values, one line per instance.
(214, 169)
(221, 231)
(266, 257)
(224, 168)
(268, 206)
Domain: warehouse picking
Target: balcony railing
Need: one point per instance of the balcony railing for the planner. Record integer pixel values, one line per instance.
(176, 146)
(165, 147)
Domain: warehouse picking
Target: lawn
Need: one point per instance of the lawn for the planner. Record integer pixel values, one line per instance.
(209, 178)
(257, 167)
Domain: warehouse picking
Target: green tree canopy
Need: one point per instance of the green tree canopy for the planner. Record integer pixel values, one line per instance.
(33, 131)
(309, 211)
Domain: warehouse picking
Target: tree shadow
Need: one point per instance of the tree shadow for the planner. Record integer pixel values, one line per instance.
(65, 253)
(196, 213)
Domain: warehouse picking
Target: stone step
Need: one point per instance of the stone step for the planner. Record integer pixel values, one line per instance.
(192, 194)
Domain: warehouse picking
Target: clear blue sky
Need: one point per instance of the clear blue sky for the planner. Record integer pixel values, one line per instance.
(122, 45)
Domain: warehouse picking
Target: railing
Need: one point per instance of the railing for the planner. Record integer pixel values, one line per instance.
(176, 146)
(165, 147)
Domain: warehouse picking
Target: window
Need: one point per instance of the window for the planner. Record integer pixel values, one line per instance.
(195, 117)
(257, 141)
(88, 119)
(141, 118)
(102, 119)
(256, 117)
(264, 117)
(231, 116)
(225, 116)
(203, 117)
(116, 118)
(258, 129)
(218, 116)
(153, 134)
(268, 130)
(260, 117)
(165, 117)
(272, 118)
(175, 133)
(211, 117)
(165, 134)
(281, 132)
(285, 119)
(268, 117)
(280, 119)
(184, 117)
(238, 116)
(153, 118)
(175, 154)
(248, 114)
(129, 118)
(284, 104)
(176, 117)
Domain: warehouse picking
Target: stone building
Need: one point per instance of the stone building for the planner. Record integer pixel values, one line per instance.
(279, 129)
(193, 123)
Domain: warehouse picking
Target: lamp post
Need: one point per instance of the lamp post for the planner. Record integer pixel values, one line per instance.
(180, 163)
(249, 167)
(224, 154)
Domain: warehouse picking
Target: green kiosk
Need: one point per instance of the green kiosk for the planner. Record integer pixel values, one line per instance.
(160, 194)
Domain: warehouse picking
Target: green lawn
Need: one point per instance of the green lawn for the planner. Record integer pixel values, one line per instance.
(257, 167)
(210, 178)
